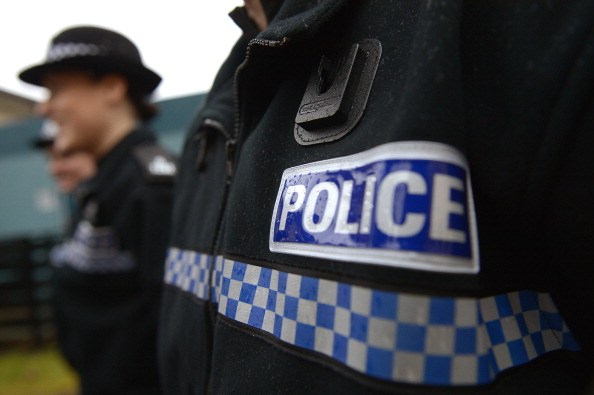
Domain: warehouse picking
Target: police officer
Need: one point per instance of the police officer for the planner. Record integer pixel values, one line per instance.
(186, 324)
(408, 202)
(68, 170)
(108, 284)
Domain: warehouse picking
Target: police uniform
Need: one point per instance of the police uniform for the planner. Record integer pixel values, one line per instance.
(186, 320)
(188, 312)
(409, 203)
(109, 271)
(109, 274)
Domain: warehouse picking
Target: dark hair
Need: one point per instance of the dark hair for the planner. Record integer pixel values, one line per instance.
(145, 109)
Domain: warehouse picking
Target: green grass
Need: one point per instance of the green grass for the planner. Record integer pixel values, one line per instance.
(38, 372)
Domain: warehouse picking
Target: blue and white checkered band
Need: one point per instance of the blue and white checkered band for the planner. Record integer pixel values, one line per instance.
(93, 250)
(193, 273)
(72, 50)
(399, 337)
(406, 204)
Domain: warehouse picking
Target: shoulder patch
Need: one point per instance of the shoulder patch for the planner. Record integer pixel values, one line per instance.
(404, 204)
(157, 164)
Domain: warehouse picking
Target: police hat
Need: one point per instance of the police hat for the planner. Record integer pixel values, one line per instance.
(94, 48)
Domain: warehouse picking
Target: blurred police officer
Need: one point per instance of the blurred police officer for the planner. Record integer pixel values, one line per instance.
(109, 281)
(409, 203)
(67, 169)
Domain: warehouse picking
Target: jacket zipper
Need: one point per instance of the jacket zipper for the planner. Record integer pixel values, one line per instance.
(231, 145)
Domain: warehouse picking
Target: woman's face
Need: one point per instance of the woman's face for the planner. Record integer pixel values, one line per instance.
(78, 104)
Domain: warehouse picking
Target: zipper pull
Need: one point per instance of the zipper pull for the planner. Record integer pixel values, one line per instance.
(230, 146)
(200, 140)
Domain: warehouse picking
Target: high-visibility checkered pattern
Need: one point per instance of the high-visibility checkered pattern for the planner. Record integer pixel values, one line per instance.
(93, 250)
(189, 271)
(399, 337)
(216, 279)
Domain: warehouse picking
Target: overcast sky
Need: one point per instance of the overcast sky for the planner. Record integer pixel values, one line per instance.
(185, 41)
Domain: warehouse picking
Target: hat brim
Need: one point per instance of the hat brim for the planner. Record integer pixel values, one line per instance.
(138, 76)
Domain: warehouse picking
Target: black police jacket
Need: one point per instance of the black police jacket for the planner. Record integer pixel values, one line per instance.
(185, 328)
(187, 318)
(109, 272)
(408, 204)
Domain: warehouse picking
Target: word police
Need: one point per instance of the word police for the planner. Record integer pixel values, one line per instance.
(400, 204)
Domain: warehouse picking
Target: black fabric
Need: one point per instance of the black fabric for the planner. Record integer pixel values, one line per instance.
(497, 81)
(201, 185)
(185, 342)
(200, 191)
(107, 322)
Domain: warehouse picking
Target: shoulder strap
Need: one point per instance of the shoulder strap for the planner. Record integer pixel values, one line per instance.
(157, 164)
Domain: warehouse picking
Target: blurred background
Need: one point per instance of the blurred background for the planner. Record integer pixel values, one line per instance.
(185, 42)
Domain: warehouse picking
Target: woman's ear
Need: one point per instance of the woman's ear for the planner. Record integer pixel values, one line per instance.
(115, 87)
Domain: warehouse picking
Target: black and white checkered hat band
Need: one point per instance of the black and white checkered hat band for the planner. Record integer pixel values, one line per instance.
(62, 51)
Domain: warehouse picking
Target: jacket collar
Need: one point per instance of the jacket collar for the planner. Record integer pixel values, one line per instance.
(111, 163)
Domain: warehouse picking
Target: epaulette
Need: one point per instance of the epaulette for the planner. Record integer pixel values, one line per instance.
(157, 164)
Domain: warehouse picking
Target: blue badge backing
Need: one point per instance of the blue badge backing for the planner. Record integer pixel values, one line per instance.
(402, 204)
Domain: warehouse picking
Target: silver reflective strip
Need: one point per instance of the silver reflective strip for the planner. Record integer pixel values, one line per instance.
(71, 50)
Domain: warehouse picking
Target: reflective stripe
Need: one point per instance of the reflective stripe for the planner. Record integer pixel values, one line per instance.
(191, 272)
(216, 279)
(188, 271)
(400, 337)
(72, 50)
(93, 250)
